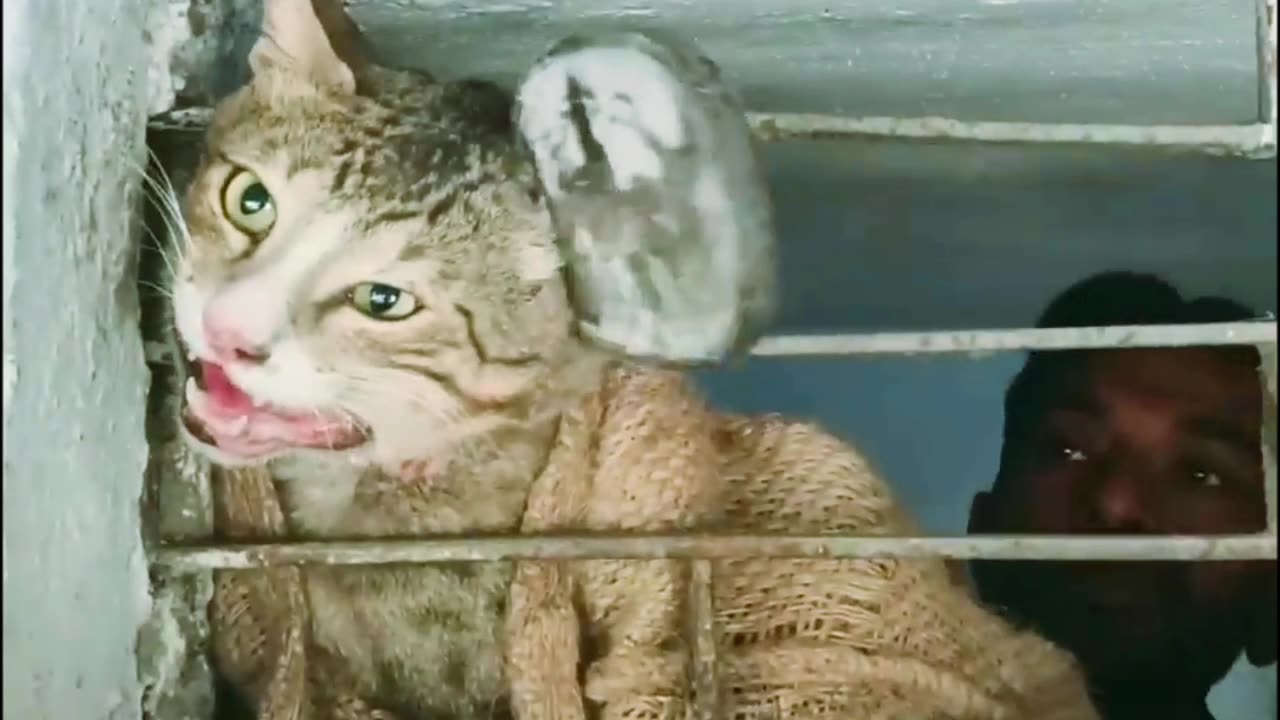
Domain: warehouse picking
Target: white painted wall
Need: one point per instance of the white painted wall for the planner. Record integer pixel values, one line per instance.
(74, 379)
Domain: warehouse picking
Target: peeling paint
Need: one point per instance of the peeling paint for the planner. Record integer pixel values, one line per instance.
(167, 29)
(161, 645)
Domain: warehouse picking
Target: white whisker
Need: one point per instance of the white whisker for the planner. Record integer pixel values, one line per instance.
(158, 246)
(164, 198)
(159, 289)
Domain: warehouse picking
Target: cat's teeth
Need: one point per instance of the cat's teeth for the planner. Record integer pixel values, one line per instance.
(192, 392)
(237, 426)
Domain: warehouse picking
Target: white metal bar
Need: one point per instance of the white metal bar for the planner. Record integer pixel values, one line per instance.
(1266, 30)
(985, 341)
(1255, 140)
(584, 547)
(1252, 141)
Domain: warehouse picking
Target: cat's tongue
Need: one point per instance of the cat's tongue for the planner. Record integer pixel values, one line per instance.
(222, 414)
(222, 392)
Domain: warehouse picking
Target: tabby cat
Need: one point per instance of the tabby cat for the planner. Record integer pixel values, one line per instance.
(373, 305)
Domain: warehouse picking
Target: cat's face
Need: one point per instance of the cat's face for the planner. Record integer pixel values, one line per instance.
(365, 273)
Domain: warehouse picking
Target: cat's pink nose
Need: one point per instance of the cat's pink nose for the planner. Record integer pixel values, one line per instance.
(228, 342)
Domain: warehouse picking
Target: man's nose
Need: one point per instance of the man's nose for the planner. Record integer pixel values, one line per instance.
(1121, 504)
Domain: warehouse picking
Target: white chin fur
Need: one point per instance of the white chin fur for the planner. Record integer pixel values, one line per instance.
(188, 305)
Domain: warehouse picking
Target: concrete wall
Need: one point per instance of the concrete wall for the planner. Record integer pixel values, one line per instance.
(74, 573)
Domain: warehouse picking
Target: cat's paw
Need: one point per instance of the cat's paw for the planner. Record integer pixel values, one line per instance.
(661, 212)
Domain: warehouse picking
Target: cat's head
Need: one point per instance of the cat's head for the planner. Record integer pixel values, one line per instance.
(368, 267)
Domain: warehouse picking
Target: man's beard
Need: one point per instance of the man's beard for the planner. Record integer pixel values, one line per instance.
(1122, 621)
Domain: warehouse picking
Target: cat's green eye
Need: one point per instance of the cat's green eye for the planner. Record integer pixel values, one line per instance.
(383, 302)
(247, 204)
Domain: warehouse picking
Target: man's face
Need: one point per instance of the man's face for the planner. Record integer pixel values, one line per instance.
(1137, 442)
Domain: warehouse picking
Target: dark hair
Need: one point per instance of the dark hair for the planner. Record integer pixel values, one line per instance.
(1108, 298)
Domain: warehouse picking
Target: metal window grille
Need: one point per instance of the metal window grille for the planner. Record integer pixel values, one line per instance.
(1255, 140)
(1261, 333)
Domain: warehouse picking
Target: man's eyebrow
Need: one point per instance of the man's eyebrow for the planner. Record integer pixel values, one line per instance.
(1223, 431)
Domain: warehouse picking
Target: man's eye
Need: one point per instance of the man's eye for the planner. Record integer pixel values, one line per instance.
(1072, 454)
(1206, 478)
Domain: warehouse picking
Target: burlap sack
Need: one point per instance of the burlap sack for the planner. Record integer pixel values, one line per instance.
(852, 639)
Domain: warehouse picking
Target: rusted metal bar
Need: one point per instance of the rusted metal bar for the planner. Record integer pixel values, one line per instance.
(1268, 379)
(187, 119)
(1250, 141)
(705, 546)
(981, 341)
(704, 670)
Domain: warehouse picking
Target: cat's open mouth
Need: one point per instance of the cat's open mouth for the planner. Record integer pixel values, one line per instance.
(218, 413)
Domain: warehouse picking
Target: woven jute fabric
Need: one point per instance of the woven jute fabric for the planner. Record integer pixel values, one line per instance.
(873, 639)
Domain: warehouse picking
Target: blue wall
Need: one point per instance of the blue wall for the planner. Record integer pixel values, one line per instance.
(897, 236)
(931, 425)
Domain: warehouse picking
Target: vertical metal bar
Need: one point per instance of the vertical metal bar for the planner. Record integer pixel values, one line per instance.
(173, 645)
(1266, 48)
(1268, 379)
(704, 671)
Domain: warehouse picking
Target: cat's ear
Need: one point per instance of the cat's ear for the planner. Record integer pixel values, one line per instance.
(661, 216)
(311, 40)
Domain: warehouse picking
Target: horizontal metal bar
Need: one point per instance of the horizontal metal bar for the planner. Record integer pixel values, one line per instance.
(1255, 140)
(190, 119)
(983, 341)
(584, 547)
(1251, 141)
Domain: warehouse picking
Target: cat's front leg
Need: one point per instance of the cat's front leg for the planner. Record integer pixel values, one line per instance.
(332, 694)
(543, 649)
